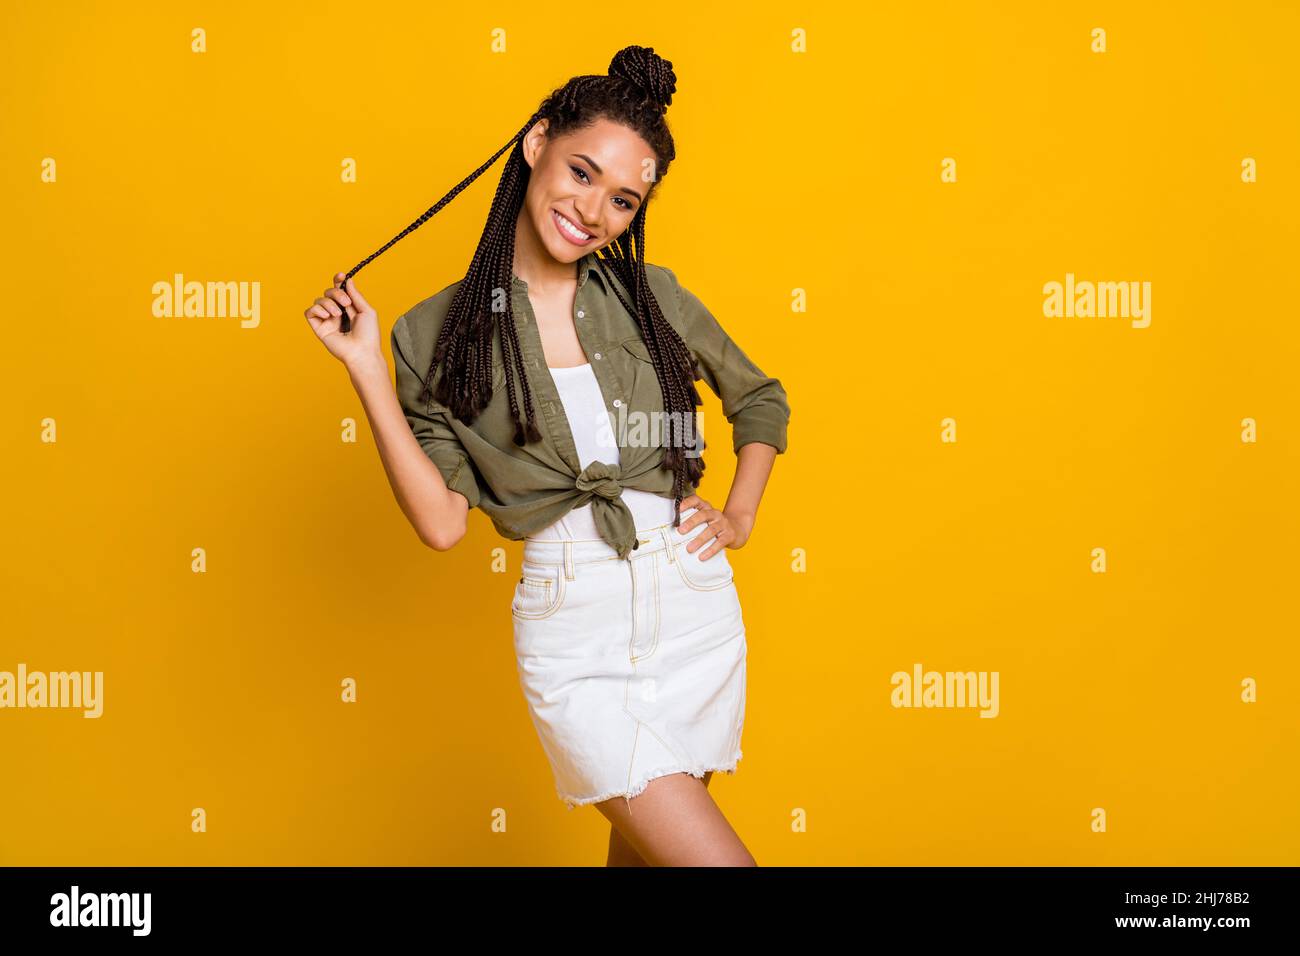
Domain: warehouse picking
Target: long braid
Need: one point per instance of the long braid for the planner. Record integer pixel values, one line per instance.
(346, 324)
(636, 92)
(677, 371)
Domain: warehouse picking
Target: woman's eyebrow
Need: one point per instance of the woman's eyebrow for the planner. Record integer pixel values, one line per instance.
(599, 172)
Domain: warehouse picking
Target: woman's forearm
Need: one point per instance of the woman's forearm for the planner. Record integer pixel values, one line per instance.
(437, 513)
(753, 466)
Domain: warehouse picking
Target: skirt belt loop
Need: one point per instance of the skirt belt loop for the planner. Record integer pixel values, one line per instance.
(666, 534)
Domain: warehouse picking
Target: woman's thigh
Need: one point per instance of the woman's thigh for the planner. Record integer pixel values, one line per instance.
(674, 822)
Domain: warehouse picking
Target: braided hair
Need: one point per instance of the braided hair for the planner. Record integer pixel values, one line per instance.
(636, 93)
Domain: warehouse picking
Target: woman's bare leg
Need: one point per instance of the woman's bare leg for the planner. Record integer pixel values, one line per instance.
(674, 822)
(621, 852)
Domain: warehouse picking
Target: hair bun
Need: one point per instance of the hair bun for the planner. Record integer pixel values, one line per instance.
(648, 71)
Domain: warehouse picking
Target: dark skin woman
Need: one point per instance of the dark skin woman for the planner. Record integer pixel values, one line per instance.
(587, 186)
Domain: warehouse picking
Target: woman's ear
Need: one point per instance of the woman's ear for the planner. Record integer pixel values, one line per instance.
(534, 140)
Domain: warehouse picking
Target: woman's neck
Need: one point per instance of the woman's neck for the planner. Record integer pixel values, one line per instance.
(534, 263)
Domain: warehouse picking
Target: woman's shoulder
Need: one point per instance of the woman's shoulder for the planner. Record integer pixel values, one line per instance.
(431, 311)
(677, 303)
(419, 325)
(663, 280)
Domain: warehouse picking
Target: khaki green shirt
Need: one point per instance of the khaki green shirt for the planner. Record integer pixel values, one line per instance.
(525, 489)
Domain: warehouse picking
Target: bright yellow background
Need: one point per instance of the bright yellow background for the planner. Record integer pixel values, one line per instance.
(817, 171)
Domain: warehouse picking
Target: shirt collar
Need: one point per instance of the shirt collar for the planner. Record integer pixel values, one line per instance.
(587, 268)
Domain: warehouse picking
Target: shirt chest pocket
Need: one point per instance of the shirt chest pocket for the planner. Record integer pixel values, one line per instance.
(636, 370)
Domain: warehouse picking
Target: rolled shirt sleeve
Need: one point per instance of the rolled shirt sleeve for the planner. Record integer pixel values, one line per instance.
(430, 422)
(754, 403)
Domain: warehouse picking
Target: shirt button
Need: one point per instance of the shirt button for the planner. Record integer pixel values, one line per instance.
(597, 356)
(581, 314)
(618, 403)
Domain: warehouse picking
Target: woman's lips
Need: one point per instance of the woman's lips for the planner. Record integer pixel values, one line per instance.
(558, 219)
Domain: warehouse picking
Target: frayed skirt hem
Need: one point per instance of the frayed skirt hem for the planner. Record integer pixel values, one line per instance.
(572, 802)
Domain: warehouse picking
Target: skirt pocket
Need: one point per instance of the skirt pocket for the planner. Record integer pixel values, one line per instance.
(539, 593)
(713, 574)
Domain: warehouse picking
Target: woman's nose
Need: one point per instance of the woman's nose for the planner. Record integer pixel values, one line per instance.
(587, 214)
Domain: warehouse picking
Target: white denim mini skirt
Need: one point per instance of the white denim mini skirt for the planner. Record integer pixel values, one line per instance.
(631, 669)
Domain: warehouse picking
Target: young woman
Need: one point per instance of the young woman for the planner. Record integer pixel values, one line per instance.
(554, 388)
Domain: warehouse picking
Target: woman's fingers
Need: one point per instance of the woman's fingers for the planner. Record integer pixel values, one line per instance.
(334, 305)
(329, 306)
(356, 298)
(700, 506)
(719, 543)
(707, 533)
(339, 296)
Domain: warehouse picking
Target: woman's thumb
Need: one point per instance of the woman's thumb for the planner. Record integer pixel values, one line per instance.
(358, 300)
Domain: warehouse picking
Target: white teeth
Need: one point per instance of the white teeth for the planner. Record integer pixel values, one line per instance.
(571, 229)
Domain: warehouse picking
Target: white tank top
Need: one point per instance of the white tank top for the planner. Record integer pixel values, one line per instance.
(593, 436)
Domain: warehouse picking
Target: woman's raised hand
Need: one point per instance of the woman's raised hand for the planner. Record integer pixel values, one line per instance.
(361, 343)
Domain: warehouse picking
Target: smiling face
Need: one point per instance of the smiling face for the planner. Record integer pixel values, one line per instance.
(585, 186)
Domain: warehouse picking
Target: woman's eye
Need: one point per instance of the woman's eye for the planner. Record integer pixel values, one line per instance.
(579, 171)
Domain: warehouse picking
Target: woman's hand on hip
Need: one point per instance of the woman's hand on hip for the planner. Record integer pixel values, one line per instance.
(723, 531)
(359, 345)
